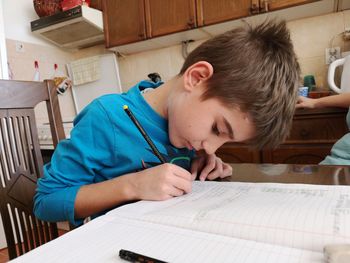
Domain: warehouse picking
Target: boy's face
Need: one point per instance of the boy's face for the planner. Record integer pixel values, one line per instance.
(205, 125)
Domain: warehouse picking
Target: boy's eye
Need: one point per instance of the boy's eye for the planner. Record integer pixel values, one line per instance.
(215, 130)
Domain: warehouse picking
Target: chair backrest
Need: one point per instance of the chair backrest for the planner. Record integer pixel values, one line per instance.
(21, 161)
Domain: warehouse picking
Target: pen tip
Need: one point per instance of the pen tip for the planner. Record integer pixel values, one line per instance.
(125, 107)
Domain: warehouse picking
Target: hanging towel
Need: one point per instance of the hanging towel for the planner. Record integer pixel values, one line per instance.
(85, 70)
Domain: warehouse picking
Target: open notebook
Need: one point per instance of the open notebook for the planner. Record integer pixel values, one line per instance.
(217, 222)
(305, 217)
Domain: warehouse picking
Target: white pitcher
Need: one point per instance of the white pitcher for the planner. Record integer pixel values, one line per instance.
(345, 76)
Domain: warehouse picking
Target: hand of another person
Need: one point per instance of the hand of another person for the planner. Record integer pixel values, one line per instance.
(210, 167)
(304, 102)
(161, 182)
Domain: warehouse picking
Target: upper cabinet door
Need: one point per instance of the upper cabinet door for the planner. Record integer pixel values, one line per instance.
(270, 5)
(97, 4)
(169, 16)
(124, 21)
(211, 12)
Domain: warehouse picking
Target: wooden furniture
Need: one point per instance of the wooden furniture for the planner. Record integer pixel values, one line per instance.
(143, 19)
(212, 12)
(21, 162)
(110, 232)
(290, 173)
(311, 138)
(137, 20)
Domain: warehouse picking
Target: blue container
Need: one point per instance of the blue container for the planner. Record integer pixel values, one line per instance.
(303, 91)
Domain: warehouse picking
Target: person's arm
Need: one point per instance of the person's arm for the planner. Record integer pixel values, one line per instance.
(74, 163)
(157, 183)
(340, 100)
(68, 190)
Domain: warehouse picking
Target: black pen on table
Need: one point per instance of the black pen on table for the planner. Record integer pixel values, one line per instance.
(144, 134)
(137, 258)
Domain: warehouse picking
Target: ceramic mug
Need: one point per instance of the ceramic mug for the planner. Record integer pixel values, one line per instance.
(303, 91)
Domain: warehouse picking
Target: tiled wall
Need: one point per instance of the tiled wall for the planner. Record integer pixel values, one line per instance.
(22, 67)
(310, 36)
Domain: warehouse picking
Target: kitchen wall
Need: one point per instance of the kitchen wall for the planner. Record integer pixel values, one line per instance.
(21, 66)
(311, 36)
(23, 48)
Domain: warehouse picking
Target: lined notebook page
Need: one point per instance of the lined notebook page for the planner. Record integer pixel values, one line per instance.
(292, 215)
(101, 239)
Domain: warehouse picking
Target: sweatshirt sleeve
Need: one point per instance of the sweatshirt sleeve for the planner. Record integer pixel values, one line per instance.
(75, 163)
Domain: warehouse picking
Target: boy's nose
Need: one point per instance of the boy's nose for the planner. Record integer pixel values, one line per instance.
(210, 146)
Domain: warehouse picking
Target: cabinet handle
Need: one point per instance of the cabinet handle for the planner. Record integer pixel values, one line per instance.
(190, 23)
(264, 6)
(254, 9)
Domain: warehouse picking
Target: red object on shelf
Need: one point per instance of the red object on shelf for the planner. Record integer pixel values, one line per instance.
(69, 4)
(47, 7)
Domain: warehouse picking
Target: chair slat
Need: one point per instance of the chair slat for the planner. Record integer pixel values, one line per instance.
(16, 228)
(41, 231)
(29, 145)
(30, 230)
(46, 231)
(23, 227)
(23, 144)
(12, 143)
(6, 146)
(35, 231)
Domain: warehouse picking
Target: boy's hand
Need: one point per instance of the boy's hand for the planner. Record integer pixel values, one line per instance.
(210, 167)
(161, 182)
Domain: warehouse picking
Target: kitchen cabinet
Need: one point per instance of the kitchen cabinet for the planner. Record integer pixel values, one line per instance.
(97, 4)
(238, 153)
(136, 20)
(211, 12)
(311, 138)
(169, 16)
(271, 5)
(124, 21)
(133, 21)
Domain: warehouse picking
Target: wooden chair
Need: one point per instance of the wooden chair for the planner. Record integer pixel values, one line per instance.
(21, 162)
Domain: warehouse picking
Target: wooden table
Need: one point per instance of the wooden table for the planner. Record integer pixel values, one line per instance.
(101, 239)
(290, 173)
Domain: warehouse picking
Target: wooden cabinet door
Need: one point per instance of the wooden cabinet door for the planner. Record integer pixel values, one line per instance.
(169, 16)
(297, 154)
(271, 5)
(97, 4)
(311, 138)
(124, 21)
(211, 12)
(236, 153)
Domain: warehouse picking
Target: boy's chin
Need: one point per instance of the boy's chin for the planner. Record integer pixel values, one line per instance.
(176, 142)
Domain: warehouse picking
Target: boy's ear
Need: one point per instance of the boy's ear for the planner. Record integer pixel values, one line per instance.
(197, 74)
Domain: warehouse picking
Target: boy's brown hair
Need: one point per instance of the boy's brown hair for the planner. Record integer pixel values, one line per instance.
(256, 69)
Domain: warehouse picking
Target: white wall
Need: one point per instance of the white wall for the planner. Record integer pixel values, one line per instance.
(17, 17)
(3, 53)
(3, 74)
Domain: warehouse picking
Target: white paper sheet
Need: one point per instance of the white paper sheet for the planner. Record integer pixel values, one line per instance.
(294, 215)
(100, 241)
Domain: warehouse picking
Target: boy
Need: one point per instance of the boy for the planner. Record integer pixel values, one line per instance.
(240, 86)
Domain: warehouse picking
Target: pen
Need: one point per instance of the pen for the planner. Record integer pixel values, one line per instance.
(137, 258)
(144, 134)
